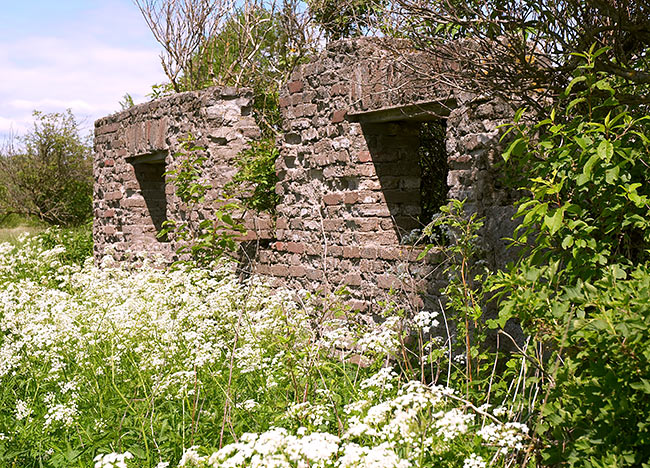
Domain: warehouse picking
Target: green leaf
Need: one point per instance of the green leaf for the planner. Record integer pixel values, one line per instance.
(586, 170)
(516, 148)
(643, 386)
(576, 80)
(553, 223)
(518, 114)
(567, 242)
(605, 150)
(574, 103)
(604, 85)
(583, 141)
(611, 175)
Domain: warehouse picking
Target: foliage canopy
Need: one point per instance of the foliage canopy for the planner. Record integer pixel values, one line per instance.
(48, 175)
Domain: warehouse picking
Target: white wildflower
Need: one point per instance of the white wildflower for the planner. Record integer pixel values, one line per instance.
(61, 413)
(452, 423)
(384, 379)
(22, 410)
(248, 405)
(191, 458)
(112, 460)
(426, 320)
(509, 435)
(474, 461)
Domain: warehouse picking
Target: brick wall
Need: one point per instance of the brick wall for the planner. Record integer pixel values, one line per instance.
(133, 149)
(349, 173)
(348, 168)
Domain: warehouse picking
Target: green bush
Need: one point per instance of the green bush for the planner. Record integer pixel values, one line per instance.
(581, 287)
(254, 182)
(604, 381)
(209, 240)
(49, 176)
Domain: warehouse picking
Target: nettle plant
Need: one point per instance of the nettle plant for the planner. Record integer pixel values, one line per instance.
(465, 269)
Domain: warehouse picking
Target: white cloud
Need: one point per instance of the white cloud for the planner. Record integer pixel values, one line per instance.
(51, 104)
(76, 68)
(17, 125)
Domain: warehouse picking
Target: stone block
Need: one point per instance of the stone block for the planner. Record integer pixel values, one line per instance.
(115, 195)
(351, 252)
(295, 247)
(297, 271)
(279, 270)
(338, 116)
(364, 156)
(374, 209)
(333, 198)
(388, 281)
(352, 279)
(294, 86)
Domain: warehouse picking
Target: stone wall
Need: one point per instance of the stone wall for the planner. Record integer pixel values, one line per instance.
(349, 173)
(133, 150)
(350, 178)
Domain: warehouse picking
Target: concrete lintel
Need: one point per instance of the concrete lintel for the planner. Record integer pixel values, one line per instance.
(421, 111)
(155, 157)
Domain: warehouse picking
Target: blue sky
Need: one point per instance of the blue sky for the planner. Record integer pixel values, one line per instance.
(78, 54)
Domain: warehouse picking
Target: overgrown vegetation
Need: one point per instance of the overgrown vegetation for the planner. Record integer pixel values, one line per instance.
(580, 288)
(201, 240)
(255, 181)
(143, 367)
(47, 174)
(521, 49)
(349, 18)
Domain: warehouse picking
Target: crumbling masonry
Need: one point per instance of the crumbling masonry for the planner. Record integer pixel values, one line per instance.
(350, 172)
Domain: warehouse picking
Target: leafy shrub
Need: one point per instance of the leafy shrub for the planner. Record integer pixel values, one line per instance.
(580, 289)
(254, 182)
(208, 240)
(50, 175)
(604, 381)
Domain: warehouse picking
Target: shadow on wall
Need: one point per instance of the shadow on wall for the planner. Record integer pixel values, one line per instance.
(151, 178)
(411, 164)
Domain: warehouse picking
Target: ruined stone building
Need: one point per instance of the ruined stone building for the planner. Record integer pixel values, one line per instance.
(351, 170)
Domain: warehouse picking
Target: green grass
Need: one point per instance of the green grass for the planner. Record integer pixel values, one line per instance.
(12, 235)
(13, 227)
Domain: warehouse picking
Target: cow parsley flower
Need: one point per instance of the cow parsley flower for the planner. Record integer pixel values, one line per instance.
(22, 410)
(426, 320)
(474, 461)
(112, 460)
(452, 423)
